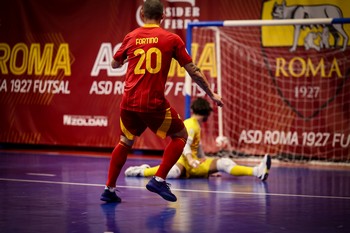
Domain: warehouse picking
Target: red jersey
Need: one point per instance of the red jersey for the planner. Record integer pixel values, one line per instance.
(149, 51)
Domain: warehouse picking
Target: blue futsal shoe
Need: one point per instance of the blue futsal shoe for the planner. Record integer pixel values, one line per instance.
(161, 188)
(109, 196)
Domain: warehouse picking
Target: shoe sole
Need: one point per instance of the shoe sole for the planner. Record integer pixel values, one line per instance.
(165, 197)
(268, 166)
(108, 200)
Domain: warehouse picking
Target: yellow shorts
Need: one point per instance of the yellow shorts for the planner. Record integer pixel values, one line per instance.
(202, 171)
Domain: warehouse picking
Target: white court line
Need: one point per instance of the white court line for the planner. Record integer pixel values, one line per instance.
(181, 190)
(39, 174)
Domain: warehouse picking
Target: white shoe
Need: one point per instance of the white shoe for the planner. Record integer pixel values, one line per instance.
(136, 170)
(262, 170)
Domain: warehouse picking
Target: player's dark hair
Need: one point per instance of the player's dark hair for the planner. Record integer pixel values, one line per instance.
(201, 107)
(153, 9)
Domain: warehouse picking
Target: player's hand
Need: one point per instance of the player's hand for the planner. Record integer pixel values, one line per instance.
(216, 174)
(194, 163)
(217, 99)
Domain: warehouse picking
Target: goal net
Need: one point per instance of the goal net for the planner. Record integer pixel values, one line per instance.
(284, 84)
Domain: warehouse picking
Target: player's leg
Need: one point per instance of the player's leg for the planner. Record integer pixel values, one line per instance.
(120, 153)
(150, 171)
(170, 125)
(137, 171)
(146, 171)
(172, 153)
(118, 158)
(229, 166)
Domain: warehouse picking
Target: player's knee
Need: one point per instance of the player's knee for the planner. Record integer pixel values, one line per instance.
(174, 172)
(182, 134)
(225, 165)
(126, 141)
(184, 140)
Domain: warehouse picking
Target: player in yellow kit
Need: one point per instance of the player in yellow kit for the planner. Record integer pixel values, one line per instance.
(193, 163)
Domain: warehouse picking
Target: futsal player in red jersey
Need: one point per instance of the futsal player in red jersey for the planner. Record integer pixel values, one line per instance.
(149, 50)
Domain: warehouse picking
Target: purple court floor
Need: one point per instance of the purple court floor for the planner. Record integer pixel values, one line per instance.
(48, 192)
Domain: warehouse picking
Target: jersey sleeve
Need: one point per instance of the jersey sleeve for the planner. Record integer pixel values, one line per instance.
(181, 54)
(121, 53)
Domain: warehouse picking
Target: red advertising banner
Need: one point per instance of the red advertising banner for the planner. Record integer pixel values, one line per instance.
(57, 86)
(56, 83)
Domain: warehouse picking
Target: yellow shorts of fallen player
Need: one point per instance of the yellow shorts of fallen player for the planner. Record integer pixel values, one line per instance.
(202, 171)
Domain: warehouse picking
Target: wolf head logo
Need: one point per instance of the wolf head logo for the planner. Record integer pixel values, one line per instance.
(282, 11)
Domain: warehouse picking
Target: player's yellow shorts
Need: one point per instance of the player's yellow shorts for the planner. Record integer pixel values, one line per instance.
(202, 171)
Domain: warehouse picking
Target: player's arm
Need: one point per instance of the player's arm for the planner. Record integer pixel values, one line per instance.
(199, 78)
(200, 153)
(187, 152)
(115, 64)
(120, 57)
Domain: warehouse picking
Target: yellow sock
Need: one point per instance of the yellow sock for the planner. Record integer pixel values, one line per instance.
(150, 171)
(241, 171)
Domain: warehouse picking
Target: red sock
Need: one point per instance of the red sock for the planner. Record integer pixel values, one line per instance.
(171, 154)
(118, 159)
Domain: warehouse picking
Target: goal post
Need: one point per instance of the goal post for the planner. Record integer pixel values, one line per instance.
(285, 97)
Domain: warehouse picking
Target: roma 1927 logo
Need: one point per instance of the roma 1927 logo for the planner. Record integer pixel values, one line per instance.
(308, 64)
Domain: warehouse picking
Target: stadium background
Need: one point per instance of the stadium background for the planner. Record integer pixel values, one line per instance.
(56, 87)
